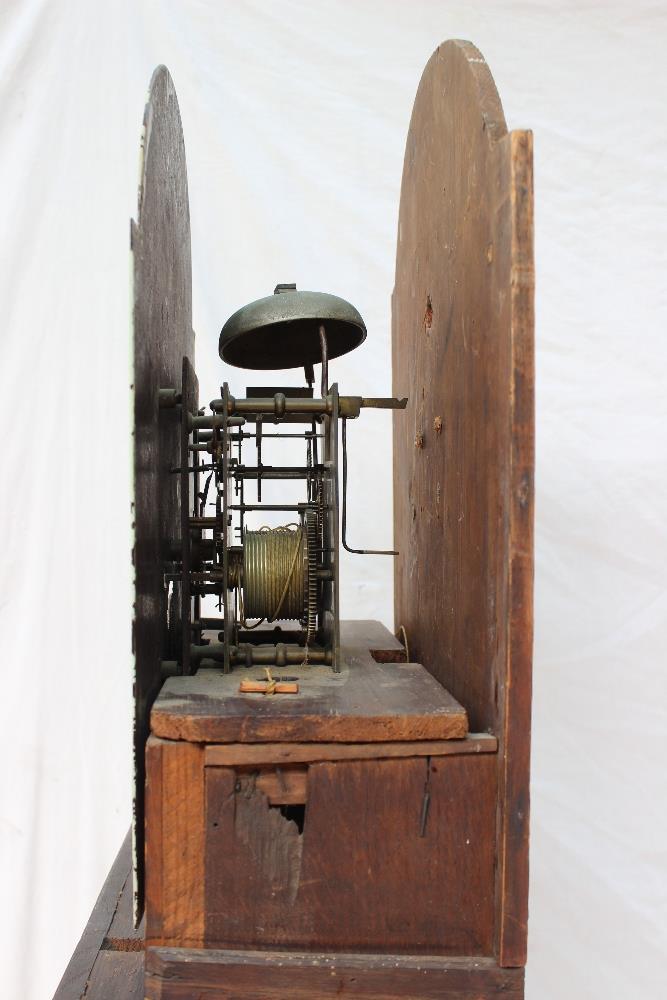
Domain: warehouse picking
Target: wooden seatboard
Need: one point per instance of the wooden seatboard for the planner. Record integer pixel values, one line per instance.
(366, 701)
(463, 333)
(181, 974)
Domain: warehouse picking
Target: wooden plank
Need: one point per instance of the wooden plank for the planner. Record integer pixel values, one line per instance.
(253, 861)
(451, 357)
(464, 454)
(175, 842)
(78, 972)
(366, 701)
(248, 754)
(163, 336)
(284, 786)
(393, 855)
(155, 835)
(513, 825)
(374, 635)
(179, 974)
(117, 975)
(122, 934)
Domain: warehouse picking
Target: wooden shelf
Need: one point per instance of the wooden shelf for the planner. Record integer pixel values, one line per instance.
(368, 701)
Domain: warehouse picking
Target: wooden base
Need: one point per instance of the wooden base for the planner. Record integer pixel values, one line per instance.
(180, 974)
(109, 963)
(365, 822)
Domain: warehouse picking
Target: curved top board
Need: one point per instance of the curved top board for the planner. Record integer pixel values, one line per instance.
(163, 337)
(462, 336)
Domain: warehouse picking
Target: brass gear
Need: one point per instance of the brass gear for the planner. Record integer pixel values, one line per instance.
(319, 498)
(311, 589)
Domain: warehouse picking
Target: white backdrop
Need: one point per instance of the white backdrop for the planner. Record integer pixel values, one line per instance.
(295, 116)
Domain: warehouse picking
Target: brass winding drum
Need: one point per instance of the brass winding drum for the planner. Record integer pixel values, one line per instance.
(280, 578)
(275, 574)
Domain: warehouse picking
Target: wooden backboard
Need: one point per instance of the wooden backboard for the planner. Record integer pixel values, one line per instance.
(463, 454)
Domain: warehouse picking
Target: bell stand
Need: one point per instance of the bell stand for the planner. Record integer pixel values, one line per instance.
(463, 354)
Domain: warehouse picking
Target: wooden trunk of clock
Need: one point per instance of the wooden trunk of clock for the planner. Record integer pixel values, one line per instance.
(372, 845)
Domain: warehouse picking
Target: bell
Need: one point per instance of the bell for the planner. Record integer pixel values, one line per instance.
(283, 330)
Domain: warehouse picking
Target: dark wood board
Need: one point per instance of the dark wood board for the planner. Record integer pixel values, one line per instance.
(366, 701)
(109, 960)
(181, 974)
(117, 975)
(463, 453)
(162, 323)
(371, 871)
(252, 754)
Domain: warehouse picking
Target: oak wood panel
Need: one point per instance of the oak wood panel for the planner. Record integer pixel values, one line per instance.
(248, 754)
(513, 819)
(463, 453)
(366, 701)
(174, 842)
(374, 868)
(451, 357)
(180, 974)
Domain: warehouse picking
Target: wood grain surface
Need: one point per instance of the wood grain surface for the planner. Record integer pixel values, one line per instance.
(108, 964)
(250, 754)
(513, 820)
(175, 810)
(463, 453)
(394, 856)
(162, 324)
(366, 701)
(180, 974)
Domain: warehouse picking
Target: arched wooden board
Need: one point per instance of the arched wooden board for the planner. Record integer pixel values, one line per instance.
(163, 337)
(463, 453)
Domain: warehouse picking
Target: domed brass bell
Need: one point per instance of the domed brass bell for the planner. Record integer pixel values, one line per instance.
(282, 330)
